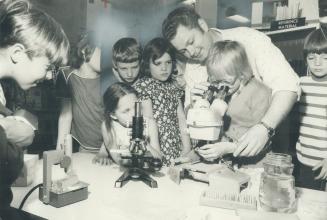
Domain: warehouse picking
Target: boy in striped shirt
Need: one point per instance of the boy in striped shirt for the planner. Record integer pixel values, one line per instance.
(311, 146)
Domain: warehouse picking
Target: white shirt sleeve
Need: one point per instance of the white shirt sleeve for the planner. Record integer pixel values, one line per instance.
(267, 61)
(193, 74)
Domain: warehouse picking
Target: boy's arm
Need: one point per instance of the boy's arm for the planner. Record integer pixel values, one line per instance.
(64, 121)
(186, 141)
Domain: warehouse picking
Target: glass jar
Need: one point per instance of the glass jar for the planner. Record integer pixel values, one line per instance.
(277, 189)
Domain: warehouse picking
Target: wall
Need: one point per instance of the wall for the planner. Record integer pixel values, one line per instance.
(140, 19)
(71, 14)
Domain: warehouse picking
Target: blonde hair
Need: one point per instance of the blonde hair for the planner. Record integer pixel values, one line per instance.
(40, 34)
(228, 58)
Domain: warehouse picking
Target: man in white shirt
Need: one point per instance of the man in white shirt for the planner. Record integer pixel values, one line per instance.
(190, 35)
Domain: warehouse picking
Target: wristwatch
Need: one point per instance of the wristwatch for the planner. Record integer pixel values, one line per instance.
(271, 131)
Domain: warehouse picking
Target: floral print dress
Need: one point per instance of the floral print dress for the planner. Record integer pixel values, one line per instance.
(164, 97)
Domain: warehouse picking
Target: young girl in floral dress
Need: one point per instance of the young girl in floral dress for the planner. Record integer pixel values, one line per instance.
(164, 98)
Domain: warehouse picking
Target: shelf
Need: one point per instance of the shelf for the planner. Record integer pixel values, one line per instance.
(306, 27)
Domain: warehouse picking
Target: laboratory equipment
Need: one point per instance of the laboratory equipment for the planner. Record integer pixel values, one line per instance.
(64, 191)
(228, 180)
(220, 199)
(141, 162)
(205, 118)
(277, 189)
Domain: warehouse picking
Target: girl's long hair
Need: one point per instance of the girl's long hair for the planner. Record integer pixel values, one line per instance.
(110, 100)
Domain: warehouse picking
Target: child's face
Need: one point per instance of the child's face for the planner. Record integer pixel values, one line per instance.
(161, 68)
(28, 72)
(128, 71)
(95, 60)
(317, 64)
(233, 85)
(233, 82)
(125, 109)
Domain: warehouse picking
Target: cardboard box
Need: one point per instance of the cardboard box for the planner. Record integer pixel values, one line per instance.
(27, 174)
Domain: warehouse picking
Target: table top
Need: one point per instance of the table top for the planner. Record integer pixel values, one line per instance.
(133, 201)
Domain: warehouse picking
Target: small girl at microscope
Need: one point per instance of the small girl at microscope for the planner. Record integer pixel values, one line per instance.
(248, 98)
(119, 102)
(158, 90)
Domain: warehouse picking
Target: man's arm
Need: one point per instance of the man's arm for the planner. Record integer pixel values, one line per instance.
(252, 142)
(269, 65)
(267, 61)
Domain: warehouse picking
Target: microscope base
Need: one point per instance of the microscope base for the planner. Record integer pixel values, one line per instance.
(135, 174)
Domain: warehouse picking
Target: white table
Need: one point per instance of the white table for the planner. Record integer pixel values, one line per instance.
(134, 201)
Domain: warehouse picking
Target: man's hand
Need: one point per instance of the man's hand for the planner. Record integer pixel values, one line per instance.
(18, 132)
(213, 151)
(323, 172)
(198, 90)
(252, 142)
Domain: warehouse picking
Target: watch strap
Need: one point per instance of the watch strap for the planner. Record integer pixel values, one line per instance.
(271, 131)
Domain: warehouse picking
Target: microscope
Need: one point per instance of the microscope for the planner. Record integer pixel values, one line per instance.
(205, 122)
(64, 191)
(141, 162)
(205, 118)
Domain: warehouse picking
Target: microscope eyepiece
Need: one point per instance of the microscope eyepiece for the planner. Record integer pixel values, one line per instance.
(137, 128)
(138, 111)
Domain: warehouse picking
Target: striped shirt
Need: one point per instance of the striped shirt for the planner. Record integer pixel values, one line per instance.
(311, 146)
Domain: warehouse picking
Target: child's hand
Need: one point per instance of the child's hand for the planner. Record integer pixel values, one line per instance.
(323, 172)
(214, 151)
(198, 90)
(180, 160)
(189, 157)
(156, 154)
(102, 159)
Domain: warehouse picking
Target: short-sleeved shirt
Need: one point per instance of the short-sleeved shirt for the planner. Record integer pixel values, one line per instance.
(87, 110)
(311, 146)
(247, 108)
